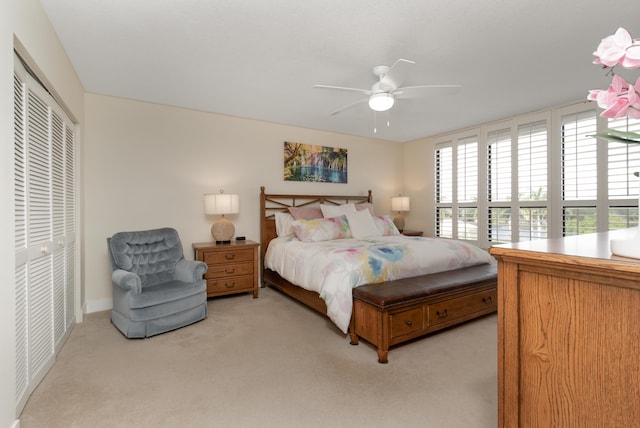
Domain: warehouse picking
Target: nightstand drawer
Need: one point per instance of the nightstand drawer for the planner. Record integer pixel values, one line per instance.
(235, 256)
(230, 285)
(227, 270)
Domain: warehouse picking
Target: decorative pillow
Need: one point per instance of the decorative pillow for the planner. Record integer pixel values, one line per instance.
(322, 229)
(283, 224)
(362, 225)
(305, 213)
(385, 225)
(365, 206)
(336, 210)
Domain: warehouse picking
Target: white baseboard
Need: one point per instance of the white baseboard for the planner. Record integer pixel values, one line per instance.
(98, 305)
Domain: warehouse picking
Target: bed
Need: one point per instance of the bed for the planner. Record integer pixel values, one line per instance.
(380, 303)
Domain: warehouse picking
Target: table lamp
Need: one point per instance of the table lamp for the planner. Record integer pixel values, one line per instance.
(222, 229)
(400, 204)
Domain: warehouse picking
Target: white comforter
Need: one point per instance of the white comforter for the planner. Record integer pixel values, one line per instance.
(333, 268)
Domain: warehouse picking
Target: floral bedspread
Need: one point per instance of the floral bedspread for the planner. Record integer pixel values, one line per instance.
(333, 268)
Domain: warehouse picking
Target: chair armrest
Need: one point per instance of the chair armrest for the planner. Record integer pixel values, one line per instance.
(126, 280)
(190, 270)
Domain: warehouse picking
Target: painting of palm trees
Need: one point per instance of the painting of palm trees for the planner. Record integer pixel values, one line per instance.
(304, 162)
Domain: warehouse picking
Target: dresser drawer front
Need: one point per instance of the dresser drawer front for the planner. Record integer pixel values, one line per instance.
(229, 285)
(459, 307)
(227, 270)
(406, 322)
(220, 257)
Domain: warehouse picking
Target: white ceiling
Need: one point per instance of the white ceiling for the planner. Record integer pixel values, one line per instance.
(260, 58)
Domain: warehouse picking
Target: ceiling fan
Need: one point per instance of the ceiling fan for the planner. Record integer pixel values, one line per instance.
(387, 89)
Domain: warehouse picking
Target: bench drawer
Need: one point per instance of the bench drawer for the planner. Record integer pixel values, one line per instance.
(451, 309)
(406, 322)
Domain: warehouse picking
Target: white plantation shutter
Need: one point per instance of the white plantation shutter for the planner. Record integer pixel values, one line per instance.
(624, 161)
(43, 211)
(466, 226)
(532, 181)
(499, 185)
(579, 173)
(444, 190)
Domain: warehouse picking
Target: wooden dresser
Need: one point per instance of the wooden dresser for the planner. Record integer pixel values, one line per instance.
(233, 267)
(568, 334)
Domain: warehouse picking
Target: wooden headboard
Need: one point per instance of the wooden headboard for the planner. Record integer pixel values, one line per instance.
(270, 204)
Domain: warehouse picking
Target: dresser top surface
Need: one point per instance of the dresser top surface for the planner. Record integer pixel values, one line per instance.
(581, 249)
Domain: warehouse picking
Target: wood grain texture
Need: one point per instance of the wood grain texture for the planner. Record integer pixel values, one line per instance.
(569, 337)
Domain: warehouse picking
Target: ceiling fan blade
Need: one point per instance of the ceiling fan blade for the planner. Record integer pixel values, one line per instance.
(348, 106)
(341, 88)
(425, 90)
(396, 74)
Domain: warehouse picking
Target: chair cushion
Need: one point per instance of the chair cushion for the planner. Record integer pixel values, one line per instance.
(165, 292)
(151, 254)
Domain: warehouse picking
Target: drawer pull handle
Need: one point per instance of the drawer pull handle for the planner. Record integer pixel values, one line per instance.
(233, 284)
(442, 314)
(487, 300)
(229, 271)
(409, 323)
(229, 256)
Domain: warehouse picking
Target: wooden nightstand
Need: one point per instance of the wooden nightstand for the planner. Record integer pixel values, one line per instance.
(412, 232)
(233, 268)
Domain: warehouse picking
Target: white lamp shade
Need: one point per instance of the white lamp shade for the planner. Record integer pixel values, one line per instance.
(400, 203)
(381, 102)
(221, 203)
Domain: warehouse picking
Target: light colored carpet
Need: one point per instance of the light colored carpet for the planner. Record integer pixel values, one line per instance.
(266, 362)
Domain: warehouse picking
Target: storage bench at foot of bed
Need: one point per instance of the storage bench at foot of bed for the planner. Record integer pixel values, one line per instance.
(394, 312)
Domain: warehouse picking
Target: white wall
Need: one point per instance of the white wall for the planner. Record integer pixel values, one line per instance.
(24, 26)
(7, 257)
(148, 165)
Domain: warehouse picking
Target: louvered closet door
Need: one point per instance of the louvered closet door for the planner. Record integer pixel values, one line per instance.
(45, 231)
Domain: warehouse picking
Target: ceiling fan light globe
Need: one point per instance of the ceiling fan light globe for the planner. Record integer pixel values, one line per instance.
(381, 102)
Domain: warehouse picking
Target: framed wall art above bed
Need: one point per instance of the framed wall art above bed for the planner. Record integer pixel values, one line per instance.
(305, 162)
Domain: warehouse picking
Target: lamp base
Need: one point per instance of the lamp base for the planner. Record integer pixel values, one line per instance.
(222, 230)
(398, 220)
(223, 242)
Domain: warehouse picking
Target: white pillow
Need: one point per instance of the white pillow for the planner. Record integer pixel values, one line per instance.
(362, 224)
(329, 211)
(284, 226)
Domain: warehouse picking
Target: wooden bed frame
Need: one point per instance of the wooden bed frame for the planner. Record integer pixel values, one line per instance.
(271, 204)
(387, 314)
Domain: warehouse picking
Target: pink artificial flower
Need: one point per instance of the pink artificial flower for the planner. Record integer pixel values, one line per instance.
(634, 100)
(632, 57)
(615, 100)
(612, 49)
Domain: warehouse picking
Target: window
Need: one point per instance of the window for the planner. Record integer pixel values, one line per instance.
(499, 174)
(444, 190)
(623, 162)
(579, 173)
(456, 178)
(542, 175)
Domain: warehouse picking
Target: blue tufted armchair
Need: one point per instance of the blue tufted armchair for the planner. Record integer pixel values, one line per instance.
(155, 289)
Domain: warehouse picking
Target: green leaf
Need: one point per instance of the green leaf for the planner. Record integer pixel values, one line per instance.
(618, 136)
